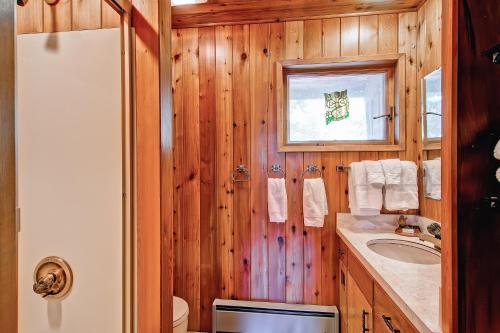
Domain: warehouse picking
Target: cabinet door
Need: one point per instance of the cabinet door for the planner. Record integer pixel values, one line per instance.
(343, 297)
(359, 310)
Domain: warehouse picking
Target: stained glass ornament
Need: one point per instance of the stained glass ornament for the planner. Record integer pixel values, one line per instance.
(337, 106)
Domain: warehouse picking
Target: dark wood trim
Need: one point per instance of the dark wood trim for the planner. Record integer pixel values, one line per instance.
(167, 165)
(449, 263)
(477, 133)
(8, 229)
(120, 5)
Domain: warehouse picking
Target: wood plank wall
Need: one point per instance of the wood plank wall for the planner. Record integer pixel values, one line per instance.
(225, 116)
(428, 60)
(67, 15)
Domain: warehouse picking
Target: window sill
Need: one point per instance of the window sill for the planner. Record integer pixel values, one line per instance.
(325, 147)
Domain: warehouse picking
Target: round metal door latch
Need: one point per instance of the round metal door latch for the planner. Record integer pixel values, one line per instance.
(53, 278)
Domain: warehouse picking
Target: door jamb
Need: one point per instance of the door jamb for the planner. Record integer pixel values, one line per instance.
(8, 221)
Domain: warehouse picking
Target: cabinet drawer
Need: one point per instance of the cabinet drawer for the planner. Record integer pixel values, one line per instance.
(388, 317)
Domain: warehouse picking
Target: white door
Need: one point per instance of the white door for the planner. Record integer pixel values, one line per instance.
(69, 169)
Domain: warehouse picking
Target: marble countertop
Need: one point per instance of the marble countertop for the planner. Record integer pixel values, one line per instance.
(413, 287)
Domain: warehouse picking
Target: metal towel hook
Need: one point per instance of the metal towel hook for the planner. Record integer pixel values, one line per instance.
(241, 169)
(311, 168)
(277, 169)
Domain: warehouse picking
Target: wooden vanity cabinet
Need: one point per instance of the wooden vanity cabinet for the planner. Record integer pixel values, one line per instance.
(364, 305)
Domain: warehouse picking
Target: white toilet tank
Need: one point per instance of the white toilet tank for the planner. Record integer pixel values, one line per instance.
(181, 314)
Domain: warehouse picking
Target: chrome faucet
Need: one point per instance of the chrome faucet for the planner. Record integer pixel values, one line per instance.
(435, 238)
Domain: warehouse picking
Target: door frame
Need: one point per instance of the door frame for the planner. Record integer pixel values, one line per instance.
(147, 27)
(449, 261)
(8, 223)
(147, 251)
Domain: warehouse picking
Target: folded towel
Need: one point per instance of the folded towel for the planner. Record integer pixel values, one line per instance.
(432, 179)
(496, 151)
(405, 195)
(277, 202)
(364, 199)
(374, 173)
(315, 203)
(392, 171)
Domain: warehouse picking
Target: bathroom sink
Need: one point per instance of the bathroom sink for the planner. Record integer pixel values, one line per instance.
(405, 251)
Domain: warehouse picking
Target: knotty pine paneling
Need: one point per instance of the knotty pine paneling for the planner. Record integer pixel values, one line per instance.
(428, 60)
(67, 15)
(241, 255)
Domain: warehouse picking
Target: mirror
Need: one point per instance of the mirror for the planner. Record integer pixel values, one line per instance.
(432, 133)
(431, 110)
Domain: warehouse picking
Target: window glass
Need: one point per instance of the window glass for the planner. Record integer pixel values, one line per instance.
(307, 111)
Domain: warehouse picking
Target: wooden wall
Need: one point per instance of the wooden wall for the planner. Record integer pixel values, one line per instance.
(225, 116)
(428, 60)
(66, 15)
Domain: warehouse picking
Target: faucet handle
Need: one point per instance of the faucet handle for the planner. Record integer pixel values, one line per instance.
(402, 220)
(50, 284)
(435, 230)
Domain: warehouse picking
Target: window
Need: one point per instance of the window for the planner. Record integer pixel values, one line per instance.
(340, 104)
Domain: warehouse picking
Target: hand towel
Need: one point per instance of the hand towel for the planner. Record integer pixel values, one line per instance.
(364, 199)
(432, 179)
(405, 195)
(496, 151)
(277, 201)
(315, 203)
(392, 171)
(374, 173)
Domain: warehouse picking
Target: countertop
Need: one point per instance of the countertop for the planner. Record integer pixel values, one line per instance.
(413, 287)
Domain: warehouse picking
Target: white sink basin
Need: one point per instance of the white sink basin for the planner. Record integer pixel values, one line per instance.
(405, 251)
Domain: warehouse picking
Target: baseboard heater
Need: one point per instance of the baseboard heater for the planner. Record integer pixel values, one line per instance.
(264, 317)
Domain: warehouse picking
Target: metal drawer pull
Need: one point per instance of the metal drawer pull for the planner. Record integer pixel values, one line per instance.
(388, 322)
(365, 314)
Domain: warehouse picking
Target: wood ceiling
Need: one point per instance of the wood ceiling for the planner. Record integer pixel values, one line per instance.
(216, 12)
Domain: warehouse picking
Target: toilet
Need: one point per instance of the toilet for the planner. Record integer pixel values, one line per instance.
(181, 313)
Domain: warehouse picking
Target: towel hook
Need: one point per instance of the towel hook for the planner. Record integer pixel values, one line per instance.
(278, 169)
(242, 169)
(312, 169)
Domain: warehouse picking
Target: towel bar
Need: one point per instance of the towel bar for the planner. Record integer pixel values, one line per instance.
(342, 168)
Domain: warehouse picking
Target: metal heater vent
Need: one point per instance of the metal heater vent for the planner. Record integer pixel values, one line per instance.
(262, 317)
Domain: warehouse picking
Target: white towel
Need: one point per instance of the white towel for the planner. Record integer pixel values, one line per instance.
(374, 173)
(496, 151)
(432, 179)
(364, 199)
(315, 202)
(405, 195)
(392, 171)
(277, 200)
